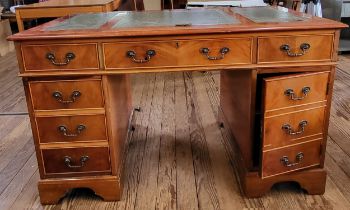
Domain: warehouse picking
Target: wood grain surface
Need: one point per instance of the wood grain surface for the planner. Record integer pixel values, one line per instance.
(320, 48)
(90, 94)
(274, 136)
(271, 160)
(95, 128)
(35, 57)
(275, 87)
(98, 161)
(177, 53)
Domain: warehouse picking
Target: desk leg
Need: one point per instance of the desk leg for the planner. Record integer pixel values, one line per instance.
(237, 99)
(19, 21)
(117, 92)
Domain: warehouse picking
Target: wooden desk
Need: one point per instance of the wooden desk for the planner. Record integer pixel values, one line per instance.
(60, 8)
(276, 90)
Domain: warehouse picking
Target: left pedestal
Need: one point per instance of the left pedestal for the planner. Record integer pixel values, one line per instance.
(79, 127)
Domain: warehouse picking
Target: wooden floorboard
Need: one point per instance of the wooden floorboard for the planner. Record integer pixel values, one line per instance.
(178, 156)
(186, 182)
(11, 87)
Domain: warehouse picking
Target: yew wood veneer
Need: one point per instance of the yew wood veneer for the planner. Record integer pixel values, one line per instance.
(276, 90)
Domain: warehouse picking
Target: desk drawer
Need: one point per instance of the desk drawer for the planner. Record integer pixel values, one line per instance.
(66, 94)
(72, 128)
(292, 128)
(294, 90)
(60, 57)
(178, 53)
(139, 54)
(216, 52)
(290, 48)
(82, 160)
(292, 158)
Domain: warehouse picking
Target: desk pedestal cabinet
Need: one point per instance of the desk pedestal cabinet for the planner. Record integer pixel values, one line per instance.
(276, 89)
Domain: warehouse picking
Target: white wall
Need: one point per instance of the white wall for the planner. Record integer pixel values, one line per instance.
(152, 4)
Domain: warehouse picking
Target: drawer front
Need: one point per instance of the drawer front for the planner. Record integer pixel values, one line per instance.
(293, 90)
(292, 158)
(139, 54)
(76, 94)
(178, 53)
(295, 48)
(92, 160)
(292, 128)
(215, 52)
(60, 57)
(71, 128)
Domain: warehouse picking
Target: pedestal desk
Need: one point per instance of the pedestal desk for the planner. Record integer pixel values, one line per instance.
(277, 71)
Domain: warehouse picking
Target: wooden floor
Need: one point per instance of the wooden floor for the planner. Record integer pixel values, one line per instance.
(178, 157)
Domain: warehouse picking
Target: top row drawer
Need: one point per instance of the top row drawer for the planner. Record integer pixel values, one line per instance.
(177, 53)
(184, 53)
(283, 92)
(60, 57)
(295, 48)
(141, 54)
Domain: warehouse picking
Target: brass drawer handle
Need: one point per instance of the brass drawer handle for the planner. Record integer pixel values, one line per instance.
(289, 130)
(149, 54)
(304, 48)
(68, 161)
(298, 159)
(51, 57)
(63, 129)
(59, 97)
(223, 51)
(292, 95)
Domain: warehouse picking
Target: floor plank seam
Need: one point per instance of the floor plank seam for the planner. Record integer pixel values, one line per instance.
(335, 142)
(22, 165)
(145, 143)
(24, 187)
(14, 114)
(184, 76)
(207, 164)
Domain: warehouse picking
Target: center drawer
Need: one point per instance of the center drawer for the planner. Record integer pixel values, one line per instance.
(82, 160)
(216, 52)
(71, 128)
(182, 53)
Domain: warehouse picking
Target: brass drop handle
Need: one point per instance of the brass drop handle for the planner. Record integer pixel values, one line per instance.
(59, 97)
(68, 161)
(223, 51)
(149, 54)
(289, 130)
(298, 159)
(304, 48)
(63, 129)
(292, 96)
(51, 57)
